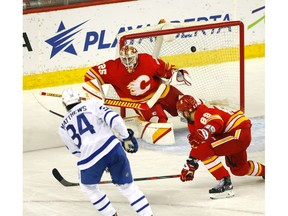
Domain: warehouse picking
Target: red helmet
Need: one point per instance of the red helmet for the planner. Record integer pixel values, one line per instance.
(186, 103)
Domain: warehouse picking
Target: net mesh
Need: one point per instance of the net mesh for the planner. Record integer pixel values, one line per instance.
(210, 54)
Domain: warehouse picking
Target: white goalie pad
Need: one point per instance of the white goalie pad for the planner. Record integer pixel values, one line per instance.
(153, 133)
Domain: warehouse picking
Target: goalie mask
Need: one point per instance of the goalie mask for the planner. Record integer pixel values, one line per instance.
(186, 105)
(129, 57)
(70, 97)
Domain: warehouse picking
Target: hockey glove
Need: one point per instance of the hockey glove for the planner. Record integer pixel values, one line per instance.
(130, 144)
(187, 173)
(201, 135)
(183, 76)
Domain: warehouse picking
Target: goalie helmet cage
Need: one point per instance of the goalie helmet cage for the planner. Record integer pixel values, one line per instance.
(213, 55)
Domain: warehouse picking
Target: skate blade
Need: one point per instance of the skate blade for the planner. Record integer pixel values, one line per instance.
(225, 194)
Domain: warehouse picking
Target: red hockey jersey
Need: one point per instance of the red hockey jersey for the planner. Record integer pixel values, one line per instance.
(140, 85)
(222, 119)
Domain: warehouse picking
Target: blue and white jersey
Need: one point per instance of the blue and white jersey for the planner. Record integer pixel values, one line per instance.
(87, 131)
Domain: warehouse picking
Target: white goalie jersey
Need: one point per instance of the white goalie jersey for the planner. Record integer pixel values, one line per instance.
(88, 131)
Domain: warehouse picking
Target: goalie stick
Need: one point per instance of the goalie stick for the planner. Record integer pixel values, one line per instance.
(66, 183)
(126, 104)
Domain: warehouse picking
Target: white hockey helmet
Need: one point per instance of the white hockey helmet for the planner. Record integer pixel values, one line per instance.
(129, 57)
(70, 96)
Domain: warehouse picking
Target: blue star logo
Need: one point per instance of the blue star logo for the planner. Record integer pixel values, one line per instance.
(63, 40)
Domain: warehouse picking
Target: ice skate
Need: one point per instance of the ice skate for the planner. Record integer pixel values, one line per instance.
(224, 189)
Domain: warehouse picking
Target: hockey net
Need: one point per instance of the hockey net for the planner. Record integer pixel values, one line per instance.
(213, 54)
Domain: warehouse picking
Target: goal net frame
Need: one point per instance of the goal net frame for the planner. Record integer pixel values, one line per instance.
(183, 28)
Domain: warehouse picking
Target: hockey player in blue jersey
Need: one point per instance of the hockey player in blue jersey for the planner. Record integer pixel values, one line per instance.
(98, 137)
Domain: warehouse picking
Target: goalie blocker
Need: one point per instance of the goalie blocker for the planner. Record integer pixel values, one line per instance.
(153, 133)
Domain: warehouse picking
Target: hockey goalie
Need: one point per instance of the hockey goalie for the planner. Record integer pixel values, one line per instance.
(142, 83)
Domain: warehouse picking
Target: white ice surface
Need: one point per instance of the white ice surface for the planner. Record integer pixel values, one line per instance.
(43, 151)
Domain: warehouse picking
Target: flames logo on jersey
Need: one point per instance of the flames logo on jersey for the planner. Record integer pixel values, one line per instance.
(135, 85)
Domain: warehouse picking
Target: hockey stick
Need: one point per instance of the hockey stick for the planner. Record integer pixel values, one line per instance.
(119, 103)
(56, 95)
(66, 183)
(59, 178)
(51, 111)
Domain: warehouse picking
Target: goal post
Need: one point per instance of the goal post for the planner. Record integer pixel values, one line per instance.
(212, 53)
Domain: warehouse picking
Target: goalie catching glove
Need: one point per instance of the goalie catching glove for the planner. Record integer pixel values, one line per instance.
(130, 144)
(187, 173)
(181, 76)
